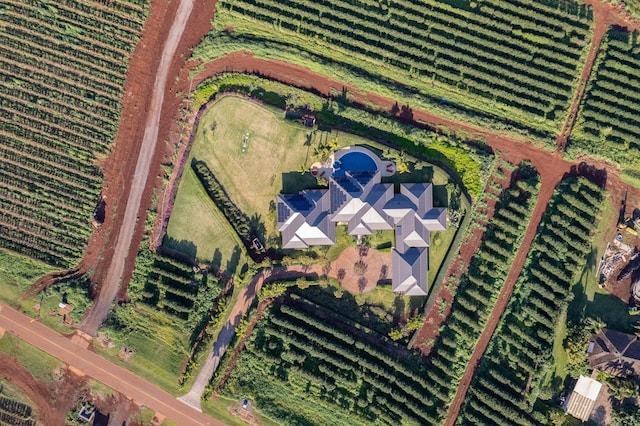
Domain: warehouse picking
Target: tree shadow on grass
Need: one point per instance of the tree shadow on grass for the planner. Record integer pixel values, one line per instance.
(234, 260)
(294, 182)
(216, 260)
(185, 247)
(258, 226)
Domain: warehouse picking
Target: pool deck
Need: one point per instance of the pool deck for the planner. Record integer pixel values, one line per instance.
(325, 169)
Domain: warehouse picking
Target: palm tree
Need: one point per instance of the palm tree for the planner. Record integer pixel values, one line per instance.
(621, 388)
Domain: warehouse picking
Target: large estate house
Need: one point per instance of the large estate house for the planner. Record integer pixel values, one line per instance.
(357, 198)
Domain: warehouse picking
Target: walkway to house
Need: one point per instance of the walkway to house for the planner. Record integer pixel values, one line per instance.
(375, 266)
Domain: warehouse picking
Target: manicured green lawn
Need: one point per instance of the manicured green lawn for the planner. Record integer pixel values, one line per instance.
(277, 148)
(17, 273)
(38, 363)
(276, 152)
(196, 220)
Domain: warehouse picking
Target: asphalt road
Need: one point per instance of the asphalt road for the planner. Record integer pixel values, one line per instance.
(95, 366)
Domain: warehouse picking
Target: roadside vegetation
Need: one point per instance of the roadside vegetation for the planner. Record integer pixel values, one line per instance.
(40, 364)
(17, 273)
(63, 69)
(170, 321)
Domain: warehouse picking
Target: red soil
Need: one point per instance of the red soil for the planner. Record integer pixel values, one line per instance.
(52, 401)
(431, 328)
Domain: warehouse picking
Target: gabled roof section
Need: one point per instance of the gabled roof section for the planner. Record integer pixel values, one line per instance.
(420, 194)
(411, 232)
(303, 219)
(583, 398)
(399, 207)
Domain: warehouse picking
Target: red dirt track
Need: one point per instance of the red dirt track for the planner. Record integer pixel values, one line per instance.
(110, 262)
(120, 167)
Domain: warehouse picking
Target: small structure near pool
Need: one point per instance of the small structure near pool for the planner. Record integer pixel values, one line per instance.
(357, 198)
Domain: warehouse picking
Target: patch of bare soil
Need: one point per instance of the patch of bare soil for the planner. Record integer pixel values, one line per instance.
(53, 401)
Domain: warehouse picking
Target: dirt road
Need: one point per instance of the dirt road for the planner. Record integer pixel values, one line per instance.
(93, 365)
(98, 312)
(546, 192)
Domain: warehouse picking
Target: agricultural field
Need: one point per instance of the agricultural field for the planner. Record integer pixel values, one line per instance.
(608, 125)
(15, 413)
(15, 408)
(512, 372)
(280, 341)
(62, 69)
(306, 363)
(470, 60)
(170, 321)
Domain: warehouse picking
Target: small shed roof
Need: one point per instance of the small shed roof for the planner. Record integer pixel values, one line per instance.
(583, 398)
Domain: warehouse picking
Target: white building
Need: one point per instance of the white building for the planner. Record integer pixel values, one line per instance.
(357, 198)
(583, 398)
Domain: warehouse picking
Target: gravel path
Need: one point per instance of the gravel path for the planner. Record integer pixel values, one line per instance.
(110, 286)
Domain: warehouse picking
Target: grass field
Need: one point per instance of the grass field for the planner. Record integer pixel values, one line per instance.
(39, 363)
(211, 234)
(277, 149)
(160, 347)
(17, 273)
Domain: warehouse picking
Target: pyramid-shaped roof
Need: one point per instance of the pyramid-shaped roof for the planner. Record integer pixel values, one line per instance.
(410, 271)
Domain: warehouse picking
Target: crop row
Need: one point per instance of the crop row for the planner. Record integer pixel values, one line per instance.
(480, 285)
(328, 357)
(63, 68)
(478, 51)
(608, 124)
(519, 351)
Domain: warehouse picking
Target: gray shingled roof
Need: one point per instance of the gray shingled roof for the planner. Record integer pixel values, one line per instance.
(365, 204)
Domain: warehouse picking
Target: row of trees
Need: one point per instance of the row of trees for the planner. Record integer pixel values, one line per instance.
(480, 285)
(63, 69)
(15, 413)
(173, 286)
(238, 220)
(608, 124)
(332, 365)
(484, 56)
(505, 385)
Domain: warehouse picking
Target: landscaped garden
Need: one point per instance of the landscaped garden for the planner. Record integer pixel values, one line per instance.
(254, 152)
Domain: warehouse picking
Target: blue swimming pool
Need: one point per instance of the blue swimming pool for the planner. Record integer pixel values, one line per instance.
(354, 162)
